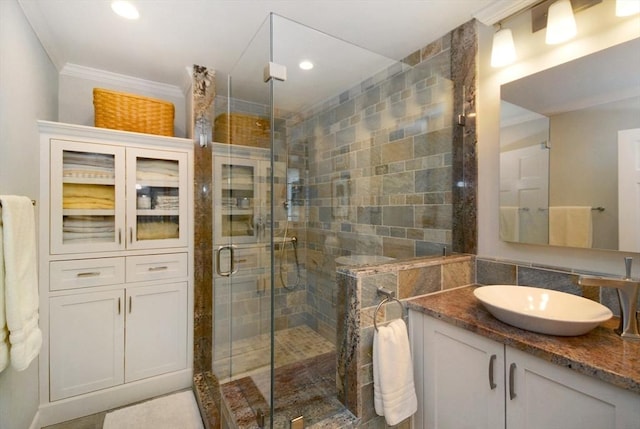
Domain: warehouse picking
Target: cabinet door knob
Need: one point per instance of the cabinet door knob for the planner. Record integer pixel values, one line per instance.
(492, 383)
(512, 382)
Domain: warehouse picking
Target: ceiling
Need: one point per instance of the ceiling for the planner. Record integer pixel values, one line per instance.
(172, 35)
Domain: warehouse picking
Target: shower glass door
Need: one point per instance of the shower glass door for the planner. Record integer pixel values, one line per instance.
(350, 164)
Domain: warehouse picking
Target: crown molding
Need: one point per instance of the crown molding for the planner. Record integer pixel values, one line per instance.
(501, 9)
(129, 82)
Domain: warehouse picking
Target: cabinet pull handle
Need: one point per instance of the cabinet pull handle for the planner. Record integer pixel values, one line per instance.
(164, 267)
(492, 383)
(119, 305)
(131, 235)
(239, 261)
(512, 388)
(119, 235)
(130, 304)
(88, 274)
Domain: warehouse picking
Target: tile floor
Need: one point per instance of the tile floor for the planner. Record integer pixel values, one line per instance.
(250, 356)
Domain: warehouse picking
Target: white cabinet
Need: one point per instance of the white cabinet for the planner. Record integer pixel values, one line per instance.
(103, 339)
(468, 381)
(236, 201)
(87, 340)
(549, 396)
(108, 198)
(115, 268)
(156, 328)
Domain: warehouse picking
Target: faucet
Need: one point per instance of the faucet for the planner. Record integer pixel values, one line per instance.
(627, 289)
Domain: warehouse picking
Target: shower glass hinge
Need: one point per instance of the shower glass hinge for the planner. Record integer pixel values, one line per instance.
(274, 71)
(462, 120)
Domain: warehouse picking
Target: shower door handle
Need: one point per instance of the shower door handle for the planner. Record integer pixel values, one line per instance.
(232, 263)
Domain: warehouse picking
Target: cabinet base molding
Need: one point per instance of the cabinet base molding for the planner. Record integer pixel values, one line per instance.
(83, 405)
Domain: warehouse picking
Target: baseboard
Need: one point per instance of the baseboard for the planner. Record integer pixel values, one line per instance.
(114, 397)
(35, 423)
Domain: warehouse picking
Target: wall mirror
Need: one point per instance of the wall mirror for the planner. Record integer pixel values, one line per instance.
(570, 153)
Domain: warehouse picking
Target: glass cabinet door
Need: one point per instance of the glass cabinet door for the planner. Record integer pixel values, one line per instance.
(235, 184)
(87, 197)
(156, 199)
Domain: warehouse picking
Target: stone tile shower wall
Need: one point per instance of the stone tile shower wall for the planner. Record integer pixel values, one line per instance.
(358, 301)
(379, 171)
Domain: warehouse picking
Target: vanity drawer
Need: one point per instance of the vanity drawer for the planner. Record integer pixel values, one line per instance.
(154, 267)
(85, 273)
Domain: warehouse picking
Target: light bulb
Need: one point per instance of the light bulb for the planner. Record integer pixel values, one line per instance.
(627, 7)
(503, 51)
(561, 24)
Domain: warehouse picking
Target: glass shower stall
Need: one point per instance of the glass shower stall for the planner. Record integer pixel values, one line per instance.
(314, 168)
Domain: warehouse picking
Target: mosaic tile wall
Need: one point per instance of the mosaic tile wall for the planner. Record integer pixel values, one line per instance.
(358, 301)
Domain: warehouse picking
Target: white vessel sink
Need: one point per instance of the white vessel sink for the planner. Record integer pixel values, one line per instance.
(542, 310)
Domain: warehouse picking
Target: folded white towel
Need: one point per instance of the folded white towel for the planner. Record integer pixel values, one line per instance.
(393, 388)
(20, 280)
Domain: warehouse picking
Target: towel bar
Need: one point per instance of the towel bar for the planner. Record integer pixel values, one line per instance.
(388, 297)
(33, 203)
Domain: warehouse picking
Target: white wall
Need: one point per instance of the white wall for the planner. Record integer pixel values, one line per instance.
(76, 94)
(598, 28)
(28, 91)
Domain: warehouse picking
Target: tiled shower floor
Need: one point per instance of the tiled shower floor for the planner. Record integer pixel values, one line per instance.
(304, 384)
(252, 355)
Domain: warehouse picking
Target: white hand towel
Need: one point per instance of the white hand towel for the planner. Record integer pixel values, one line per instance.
(20, 280)
(393, 373)
(4, 333)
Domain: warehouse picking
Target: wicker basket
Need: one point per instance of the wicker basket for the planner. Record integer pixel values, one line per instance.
(129, 112)
(245, 130)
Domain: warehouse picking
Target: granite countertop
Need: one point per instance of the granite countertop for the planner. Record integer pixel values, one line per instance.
(600, 353)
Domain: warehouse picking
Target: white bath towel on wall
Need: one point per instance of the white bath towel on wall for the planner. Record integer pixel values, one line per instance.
(393, 387)
(20, 297)
(4, 333)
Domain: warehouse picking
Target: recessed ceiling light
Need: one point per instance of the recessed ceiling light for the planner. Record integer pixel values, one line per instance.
(305, 65)
(125, 9)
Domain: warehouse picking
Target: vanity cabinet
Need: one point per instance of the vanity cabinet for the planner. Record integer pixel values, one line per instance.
(465, 380)
(115, 268)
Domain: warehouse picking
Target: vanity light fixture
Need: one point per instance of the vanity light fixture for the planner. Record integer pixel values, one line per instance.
(503, 51)
(561, 24)
(125, 9)
(305, 65)
(627, 7)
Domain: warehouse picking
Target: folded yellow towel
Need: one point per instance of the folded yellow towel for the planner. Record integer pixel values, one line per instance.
(85, 190)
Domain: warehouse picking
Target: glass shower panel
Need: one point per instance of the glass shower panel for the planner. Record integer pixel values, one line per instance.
(349, 164)
(241, 355)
